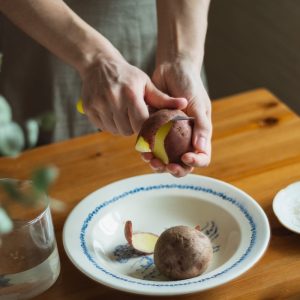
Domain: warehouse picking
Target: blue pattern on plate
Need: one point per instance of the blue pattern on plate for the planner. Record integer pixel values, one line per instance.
(123, 253)
(221, 195)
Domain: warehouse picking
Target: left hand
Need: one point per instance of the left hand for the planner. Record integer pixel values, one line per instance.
(182, 79)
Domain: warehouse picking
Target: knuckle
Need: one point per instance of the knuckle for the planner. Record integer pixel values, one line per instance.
(129, 93)
(126, 132)
(114, 131)
(204, 130)
(203, 123)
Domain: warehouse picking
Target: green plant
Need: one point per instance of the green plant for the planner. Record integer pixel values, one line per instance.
(41, 179)
(13, 139)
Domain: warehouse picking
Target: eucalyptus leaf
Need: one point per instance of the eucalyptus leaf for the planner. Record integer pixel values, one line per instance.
(11, 139)
(11, 189)
(32, 130)
(5, 111)
(47, 121)
(6, 224)
(43, 177)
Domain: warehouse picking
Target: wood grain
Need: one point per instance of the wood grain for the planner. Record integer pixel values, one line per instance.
(256, 147)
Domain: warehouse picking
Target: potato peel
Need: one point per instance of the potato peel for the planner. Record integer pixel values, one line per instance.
(143, 242)
(128, 232)
(167, 134)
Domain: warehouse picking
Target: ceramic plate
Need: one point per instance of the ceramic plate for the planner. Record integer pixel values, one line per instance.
(94, 239)
(286, 206)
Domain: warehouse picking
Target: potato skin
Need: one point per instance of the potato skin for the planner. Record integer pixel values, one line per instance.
(182, 252)
(179, 139)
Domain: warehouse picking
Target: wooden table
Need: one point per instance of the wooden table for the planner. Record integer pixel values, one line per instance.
(256, 147)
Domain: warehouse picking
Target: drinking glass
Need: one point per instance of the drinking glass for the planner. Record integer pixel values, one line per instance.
(29, 260)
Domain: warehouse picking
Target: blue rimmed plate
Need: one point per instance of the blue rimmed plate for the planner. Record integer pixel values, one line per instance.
(94, 239)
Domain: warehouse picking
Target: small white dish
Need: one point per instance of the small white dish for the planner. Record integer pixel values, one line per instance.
(93, 234)
(286, 206)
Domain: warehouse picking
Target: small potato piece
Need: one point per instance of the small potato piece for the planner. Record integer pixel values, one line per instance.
(182, 252)
(143, 242)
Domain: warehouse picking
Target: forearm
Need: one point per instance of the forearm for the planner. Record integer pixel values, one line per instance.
(54, 25)
(182, 26)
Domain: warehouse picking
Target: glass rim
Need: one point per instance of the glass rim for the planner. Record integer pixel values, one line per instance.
(44, 208)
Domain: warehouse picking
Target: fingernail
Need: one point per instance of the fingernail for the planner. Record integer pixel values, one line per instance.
(201, 143)
(156, 169)
(188, 160)
(145, 159)
(172, 171)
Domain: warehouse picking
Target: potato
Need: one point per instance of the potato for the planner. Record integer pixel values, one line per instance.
(143, 242)
(167, 138)
(182, 252)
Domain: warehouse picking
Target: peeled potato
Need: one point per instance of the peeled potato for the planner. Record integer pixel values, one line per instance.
(182, 252)
(167, 138)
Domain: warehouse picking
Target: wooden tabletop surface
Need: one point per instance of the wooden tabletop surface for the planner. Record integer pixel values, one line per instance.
(256, 147)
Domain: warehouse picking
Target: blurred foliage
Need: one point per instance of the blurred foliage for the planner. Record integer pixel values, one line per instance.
(14, 139)
(41, 180)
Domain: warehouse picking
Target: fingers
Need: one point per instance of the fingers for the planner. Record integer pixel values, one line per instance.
(122, 123)
(158, 99)
(137, 111)
(121, 106)
(178, 170)
(113, 94)
(202, 131)
(146, 157)
(122, 111)
(108, 122)
(158, 167)
(202, 134)
(199, 160)
(174, 169)
(95, 120)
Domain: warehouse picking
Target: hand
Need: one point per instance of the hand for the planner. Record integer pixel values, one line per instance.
(182, 79)
(116, 95)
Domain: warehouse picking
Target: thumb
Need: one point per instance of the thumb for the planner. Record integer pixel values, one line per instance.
(158, 99)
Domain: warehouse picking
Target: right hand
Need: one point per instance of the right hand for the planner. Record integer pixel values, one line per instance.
(117, 95)
(181, 78)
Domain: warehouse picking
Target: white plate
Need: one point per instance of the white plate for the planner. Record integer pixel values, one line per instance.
(286, 206)
(94, 240)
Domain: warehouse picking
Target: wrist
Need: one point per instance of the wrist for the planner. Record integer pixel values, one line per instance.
(182, 26)
(180, 61)
(94, 49)
(179, 47)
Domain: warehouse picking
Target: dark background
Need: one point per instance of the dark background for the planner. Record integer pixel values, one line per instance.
(254, 43)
